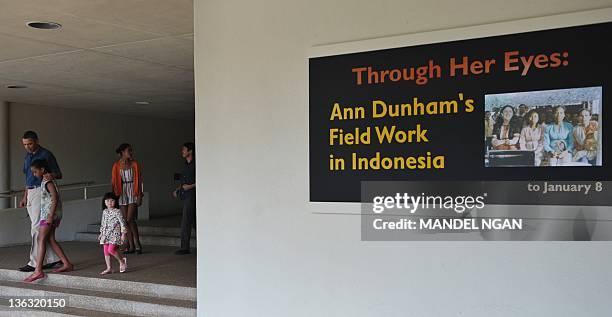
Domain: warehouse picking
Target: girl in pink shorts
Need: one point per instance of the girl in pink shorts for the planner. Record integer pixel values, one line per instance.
(112, 233)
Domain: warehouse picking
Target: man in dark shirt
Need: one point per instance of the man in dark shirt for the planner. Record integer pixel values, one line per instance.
(187, 193)
(32, 195)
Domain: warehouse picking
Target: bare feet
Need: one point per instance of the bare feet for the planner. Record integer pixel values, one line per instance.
(65, 268)
(107, 271)
(35, 276)
(123, 266)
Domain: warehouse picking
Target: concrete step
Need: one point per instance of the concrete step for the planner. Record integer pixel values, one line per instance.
(114, 303)
(7, 311)
(107, 285)
(144, 239)
(149, 230)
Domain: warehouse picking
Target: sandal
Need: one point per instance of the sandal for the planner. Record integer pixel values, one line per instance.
(123, 266)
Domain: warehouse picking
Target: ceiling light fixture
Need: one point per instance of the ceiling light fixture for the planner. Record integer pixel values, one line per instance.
(16, 86)
(44, 25)
(142, 102)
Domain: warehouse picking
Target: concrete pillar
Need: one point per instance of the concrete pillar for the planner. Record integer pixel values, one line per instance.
(5, 166)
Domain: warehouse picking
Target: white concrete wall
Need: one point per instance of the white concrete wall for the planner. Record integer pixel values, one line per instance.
(84, 143)
(263, 253)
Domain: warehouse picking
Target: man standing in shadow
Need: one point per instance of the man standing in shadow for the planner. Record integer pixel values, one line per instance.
(187, 193)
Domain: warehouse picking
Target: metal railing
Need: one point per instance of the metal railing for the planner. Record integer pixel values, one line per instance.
(85, 186)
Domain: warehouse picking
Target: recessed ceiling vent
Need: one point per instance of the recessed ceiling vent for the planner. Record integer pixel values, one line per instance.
(44, 25)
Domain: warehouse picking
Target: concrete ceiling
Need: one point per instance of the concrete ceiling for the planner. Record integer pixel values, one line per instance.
(108, 55)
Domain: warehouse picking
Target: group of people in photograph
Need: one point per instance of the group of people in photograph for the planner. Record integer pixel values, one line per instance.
(118, 226)
(557, 135)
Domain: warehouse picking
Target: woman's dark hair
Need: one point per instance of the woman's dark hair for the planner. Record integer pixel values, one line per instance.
(527, 119)
(501, 111)
(555, 108)
(190, 146)
(40, 164)
(122, 148)
(514, 126)
(500, 118)
(112, 196)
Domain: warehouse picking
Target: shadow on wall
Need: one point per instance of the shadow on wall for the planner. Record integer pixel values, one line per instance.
(582, 229)
(554, 223)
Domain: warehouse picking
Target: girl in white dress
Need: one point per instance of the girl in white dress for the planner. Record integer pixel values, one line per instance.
(112, 233)
(51, 216)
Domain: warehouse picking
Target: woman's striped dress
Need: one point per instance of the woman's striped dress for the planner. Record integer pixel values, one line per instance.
(127, 191)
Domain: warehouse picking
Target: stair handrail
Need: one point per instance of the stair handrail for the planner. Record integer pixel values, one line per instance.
(84, 183)
(14, 194)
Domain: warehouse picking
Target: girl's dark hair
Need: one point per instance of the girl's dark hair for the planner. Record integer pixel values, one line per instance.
(41, 164)
(112, 196)
(122, 148)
